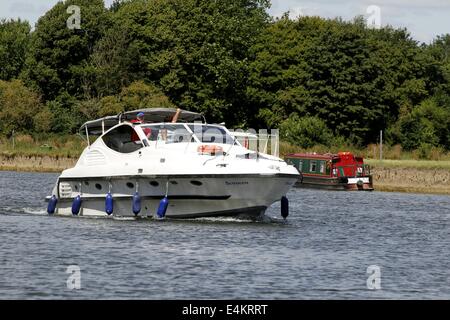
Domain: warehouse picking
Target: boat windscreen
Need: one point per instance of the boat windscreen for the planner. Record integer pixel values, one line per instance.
(168, 132)
(212, 134)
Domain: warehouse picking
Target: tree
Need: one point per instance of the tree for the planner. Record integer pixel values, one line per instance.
(111, 65)
(57, 53)
(439, 51)
(65, 119)
(43, 120)
(306, 132)
(352, 77)
(138, 95)
(18, 106)
(196, 50)
(426, 124)
(14, 41)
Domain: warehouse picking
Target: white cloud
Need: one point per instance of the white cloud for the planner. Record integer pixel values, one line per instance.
(296, 12)
(425, 19)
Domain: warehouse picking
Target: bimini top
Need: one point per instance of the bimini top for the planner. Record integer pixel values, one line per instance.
(151, 115)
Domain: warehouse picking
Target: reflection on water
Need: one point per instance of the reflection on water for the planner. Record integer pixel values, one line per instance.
(322, 251)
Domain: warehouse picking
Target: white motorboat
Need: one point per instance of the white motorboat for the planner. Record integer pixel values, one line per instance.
(174, 165)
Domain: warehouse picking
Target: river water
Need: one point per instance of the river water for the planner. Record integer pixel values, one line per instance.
(323, 251)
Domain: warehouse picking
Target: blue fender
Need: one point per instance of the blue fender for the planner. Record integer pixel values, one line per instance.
(76, 205)
(163, 204)
(52, 205)
(109, 204)
(136, 203)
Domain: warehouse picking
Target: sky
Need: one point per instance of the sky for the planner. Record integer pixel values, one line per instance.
(425, 19)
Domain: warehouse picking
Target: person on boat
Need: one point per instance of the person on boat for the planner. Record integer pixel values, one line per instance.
(140, 120)
(176, 116)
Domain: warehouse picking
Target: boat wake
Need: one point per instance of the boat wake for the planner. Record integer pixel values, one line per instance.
(260, 219)
(217, 219)
(18, 211)
(116, 218)
(34, 211)
(265, 219)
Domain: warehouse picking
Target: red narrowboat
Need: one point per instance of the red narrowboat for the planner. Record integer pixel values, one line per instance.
(341, 171)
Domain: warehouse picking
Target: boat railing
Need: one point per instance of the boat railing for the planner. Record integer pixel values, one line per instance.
(267, 143)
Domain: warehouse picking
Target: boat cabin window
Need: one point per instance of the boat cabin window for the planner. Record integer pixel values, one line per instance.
(360, 171)
(322, 166)
(313, 166)
(300, 166)
(212, 134)
(169, 133)
(123, 139)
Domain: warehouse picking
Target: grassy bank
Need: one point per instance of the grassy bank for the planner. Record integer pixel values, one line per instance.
(414, 164)
(57, 146)
(35, 163)
(49, 153)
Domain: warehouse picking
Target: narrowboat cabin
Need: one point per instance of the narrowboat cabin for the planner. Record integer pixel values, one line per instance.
(341, 171)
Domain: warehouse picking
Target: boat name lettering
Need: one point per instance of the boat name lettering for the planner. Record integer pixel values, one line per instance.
(234, 183)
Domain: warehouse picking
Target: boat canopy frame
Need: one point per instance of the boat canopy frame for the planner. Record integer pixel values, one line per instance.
(151, 115)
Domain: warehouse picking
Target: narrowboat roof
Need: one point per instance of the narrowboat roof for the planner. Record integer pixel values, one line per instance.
(326, 156)
(322, 156)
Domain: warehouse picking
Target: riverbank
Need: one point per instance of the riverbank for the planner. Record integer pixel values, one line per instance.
(35, 163)
(412, 176)
(412, 180)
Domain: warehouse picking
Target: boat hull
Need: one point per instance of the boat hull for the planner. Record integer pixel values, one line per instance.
(341, 183)
(189, 196)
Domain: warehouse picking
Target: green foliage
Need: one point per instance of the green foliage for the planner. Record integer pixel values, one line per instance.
(352, 77)
(140, 95)
(64, 119)
(57, 54)
(87, 110)
(109, 67)
(196, 51)
(14, 41)
(426, 126)
(439, 50)
(110, 105)
(137, 95)
(306, 132)
(43, 120)
(18, 105)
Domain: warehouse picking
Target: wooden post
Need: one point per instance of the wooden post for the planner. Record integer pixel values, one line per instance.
(381, 145)
(13, 141)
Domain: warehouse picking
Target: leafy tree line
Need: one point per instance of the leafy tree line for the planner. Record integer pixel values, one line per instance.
(321, 81)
